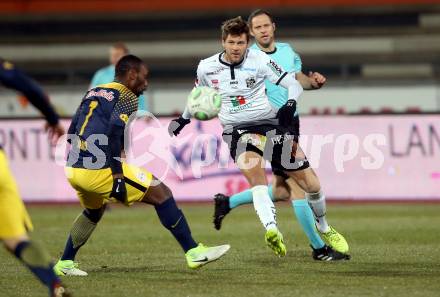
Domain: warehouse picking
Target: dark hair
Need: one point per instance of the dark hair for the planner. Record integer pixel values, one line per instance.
(236, 27)
(121, 46)
(256, 13)
(126, 63)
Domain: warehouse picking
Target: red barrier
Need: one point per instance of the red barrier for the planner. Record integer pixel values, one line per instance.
(89, 6)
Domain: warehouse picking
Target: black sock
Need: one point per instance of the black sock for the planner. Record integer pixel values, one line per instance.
(69, 250)
(35, 258)
(173, 219)
(82, 229)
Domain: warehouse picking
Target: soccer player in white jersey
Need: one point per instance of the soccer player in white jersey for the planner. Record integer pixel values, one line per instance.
(262, 28)
(255, 131)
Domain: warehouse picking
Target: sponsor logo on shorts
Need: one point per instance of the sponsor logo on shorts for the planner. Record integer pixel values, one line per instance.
(141, 176)
(256, 140)
(280, 139)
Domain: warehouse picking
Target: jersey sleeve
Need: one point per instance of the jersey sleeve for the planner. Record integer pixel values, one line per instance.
(297, 63)
(123, 109)
(294, 88)
(15, 79)
(277, 75)
(270, 69)
(74, 122)
(201, 77)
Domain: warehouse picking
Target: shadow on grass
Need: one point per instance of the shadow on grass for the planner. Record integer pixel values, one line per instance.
(389, 270)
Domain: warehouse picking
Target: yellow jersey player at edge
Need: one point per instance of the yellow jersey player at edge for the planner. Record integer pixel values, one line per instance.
(262, 28)
(95, 171)
(256, 132)
(15, 222)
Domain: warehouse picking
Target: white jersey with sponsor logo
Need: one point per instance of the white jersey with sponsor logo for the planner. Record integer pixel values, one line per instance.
(242, 86)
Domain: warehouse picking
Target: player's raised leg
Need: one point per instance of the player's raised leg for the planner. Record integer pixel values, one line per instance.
(252, 166)
(173, 219)
(309, 182)
(224, 204)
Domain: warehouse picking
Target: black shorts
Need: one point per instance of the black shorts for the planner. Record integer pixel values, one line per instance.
(275, 144)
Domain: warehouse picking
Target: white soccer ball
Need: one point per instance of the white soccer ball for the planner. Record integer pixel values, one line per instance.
(204, 103)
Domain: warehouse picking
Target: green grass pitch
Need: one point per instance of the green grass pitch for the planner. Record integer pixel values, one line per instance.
(395, 252)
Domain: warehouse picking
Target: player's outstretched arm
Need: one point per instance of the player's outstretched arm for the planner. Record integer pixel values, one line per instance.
(313, 81)
(176, 125)
(15, 79)
(54, 132)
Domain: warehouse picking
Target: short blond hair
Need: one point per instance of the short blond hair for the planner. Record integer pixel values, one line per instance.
(121, 46)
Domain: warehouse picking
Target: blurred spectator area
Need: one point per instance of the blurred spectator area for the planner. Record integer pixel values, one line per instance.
(360, 45)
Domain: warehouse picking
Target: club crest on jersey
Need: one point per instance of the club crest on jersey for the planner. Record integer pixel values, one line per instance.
(275, 68)
(250, 82)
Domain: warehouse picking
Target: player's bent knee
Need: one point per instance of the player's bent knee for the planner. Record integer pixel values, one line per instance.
(158, 193)
(11, 243)
(281, 194)
(313, 187)
(94, 215)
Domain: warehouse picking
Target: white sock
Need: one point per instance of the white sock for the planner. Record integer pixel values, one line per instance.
(264, 207)
(317, 204)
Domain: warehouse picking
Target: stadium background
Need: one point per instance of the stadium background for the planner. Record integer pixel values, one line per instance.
(382, 62)
(381, 58)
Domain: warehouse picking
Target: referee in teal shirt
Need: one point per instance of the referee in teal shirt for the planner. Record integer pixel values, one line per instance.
(107, 74)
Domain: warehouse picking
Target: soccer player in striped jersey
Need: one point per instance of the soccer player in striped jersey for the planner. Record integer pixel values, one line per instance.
(95, 170)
